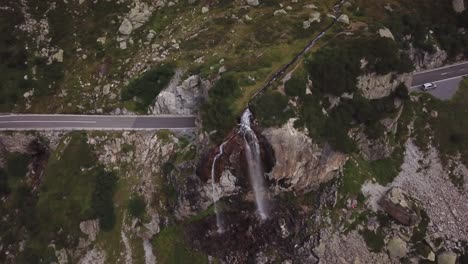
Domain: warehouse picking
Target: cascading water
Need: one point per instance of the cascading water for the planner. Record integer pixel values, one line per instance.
(255, 168)
(219, 221)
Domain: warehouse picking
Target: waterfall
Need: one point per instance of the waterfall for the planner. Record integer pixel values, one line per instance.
(219, 222)
(255, 168)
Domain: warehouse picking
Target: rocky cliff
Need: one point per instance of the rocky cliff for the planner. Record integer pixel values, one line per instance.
(301, 165)
(373, 86)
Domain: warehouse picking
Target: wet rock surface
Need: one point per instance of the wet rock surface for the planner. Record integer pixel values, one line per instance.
(284, 233)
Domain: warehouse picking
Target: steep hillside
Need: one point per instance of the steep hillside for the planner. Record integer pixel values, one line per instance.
(332, 159)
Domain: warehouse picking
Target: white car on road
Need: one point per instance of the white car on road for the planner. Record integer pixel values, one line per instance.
(428, 86)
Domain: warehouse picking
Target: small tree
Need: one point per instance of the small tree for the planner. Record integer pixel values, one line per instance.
(296, 86)
(136, 206)
(272, 109)
(17, 164)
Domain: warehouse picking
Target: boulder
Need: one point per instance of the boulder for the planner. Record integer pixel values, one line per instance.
(280, 12)
(126, 27)
(301, 165)
(397, 248)
(58, 57)
(344, 19)
(253, 2)
(139, 14)
(183, 99)
(314, 17)
(386, 33)
(400, 206)
(447, 258)
(458, 6)
(90, 228)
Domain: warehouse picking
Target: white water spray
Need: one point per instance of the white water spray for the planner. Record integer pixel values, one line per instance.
(219, 222)
(252, 152)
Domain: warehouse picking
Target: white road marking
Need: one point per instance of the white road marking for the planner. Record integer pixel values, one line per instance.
(48, 121)
(444, 73)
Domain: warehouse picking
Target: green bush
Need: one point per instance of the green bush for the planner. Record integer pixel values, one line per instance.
(402, 92)
(343, 58)
(272, 109)
(172, 247)
(218, 112)
(102, 199)
(13, 56)
(136, 206)
(4, 187)
(328, 63)
(146, 87)
(17, 164)
(296, 86)
(374, 240)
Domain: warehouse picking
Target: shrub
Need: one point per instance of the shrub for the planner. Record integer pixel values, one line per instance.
(296, 86)
(324, 67)
(103, 204)
(335, 132)
(13, 56)
(4, 187)
(217, 112)
(343, 59)
(272, 109)
(374, 240)
(136, 206)
(17, 164)
(402, 92)
(146, 87)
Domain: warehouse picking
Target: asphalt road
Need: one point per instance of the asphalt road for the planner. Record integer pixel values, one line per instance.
(447, 79)
(94, 122)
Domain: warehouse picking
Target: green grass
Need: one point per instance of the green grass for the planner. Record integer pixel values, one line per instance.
(144, 89)
(374, 240)
(66, 194)
(451, 125)
(136, 206)
(357, 171)
(164, 135)
(171, 248)
(17, 164)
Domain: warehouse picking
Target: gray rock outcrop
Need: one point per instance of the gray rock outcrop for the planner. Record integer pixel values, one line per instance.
(375, 86)
(136, 17)
(301, 163)
(183, 99)
(425, 60)
(90, 228)
(458, 5)
(373, 149)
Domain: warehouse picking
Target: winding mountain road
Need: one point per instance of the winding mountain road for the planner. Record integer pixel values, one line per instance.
(447, 79)
(94, 122)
